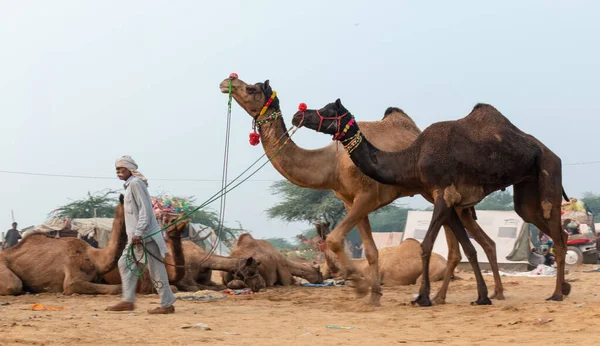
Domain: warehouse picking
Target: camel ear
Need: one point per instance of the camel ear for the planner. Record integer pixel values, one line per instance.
(249, 261)
(338, 103)
(266, 85)
(121, 199)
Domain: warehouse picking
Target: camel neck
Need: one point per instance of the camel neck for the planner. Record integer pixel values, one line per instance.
(177, 272)
(392, 168)
(302, 167)
(106, 259)
(226, 264)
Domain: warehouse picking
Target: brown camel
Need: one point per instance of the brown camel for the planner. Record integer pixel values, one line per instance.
(398, 265)
(199, 266)
(329, 169)
(69, 265)
(274, 268)
(455, 164)
(174, 260)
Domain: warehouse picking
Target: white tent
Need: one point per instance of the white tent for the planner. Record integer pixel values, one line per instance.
(387, 239)
(502, 226)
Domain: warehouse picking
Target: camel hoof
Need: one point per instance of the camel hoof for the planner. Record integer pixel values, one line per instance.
(482, 301)
(375, 299)
(439, 301)
(556, 298)
(566, 288)
(421, 301)
(498, 296)
(361, 286)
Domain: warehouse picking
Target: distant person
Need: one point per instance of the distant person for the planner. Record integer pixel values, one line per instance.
(12, 237)
(549, 258)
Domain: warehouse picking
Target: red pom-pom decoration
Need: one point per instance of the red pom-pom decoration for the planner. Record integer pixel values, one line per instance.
(254, 138)
(233, 76)
(302, 107)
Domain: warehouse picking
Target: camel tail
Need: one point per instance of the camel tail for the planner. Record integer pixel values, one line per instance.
(565, 195)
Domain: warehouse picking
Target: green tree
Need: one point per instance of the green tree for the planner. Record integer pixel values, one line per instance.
(498, 200)
(310, 205)
(101, 204)
(281, 243)
(592, 202)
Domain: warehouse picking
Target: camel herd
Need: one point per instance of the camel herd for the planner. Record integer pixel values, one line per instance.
(452, 164)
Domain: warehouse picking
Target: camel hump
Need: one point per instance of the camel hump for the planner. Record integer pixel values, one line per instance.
(392, 110)
(485, 107)
(245, 237)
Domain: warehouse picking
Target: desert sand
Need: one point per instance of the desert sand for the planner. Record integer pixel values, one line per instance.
(299, 316)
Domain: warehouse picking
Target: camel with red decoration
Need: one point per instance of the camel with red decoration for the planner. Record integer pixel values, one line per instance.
(328, 168)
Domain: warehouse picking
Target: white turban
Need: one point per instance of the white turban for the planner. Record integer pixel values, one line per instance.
(127, 162)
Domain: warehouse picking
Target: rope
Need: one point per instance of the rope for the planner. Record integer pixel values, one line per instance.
(226, 188)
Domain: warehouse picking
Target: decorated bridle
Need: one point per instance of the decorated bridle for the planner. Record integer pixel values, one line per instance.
(350, 143)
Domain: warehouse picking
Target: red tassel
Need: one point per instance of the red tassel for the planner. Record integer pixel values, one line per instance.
(302, 107)
(254, 138)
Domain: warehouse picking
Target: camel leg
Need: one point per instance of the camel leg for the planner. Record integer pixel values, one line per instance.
(440, 215)
(85, 287)
(451, 264)
(335, 242)
(488, 245)
(372, 255)
(528, 206)
(10, 284)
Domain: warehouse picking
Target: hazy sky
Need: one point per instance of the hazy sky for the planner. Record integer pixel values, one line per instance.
(84, 82)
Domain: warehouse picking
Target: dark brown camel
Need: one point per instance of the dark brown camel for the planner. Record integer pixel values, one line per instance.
(455, 164)
(329, 169)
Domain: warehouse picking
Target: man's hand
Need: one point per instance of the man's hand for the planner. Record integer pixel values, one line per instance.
(136, 240)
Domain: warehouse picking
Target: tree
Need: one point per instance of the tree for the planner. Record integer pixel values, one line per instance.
(280, 243)
(592, 202)
(99, 204)
(309, 205)
(498, 200)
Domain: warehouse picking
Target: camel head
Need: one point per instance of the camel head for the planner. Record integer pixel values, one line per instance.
(176, 230)
(251, 97)
(322, 229)
(248, 272)
(317, 276)
(333, 119)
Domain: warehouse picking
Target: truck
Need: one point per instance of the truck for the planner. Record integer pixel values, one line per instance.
(578, 222)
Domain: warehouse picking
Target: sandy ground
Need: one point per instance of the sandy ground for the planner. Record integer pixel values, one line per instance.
(299, 316)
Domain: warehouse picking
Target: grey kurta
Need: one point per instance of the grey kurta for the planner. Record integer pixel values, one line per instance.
(139, 215)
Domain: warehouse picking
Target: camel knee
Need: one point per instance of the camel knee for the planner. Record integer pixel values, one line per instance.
(11, 288)
(335, 244)
(547, 208)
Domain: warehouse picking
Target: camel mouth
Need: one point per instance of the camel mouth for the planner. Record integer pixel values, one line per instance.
(297, 120)
(224, 86)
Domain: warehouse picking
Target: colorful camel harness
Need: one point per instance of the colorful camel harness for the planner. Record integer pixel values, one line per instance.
(350, 144)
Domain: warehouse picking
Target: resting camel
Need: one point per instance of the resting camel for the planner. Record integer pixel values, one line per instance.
(69, 265)
(274, 268)
(398, 265)
(199, 266)
(454, 165)
(329, 169)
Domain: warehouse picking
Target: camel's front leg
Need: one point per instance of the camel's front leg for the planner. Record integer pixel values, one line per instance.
(85, 287)
(10, 284)
(372, 255)
(335, 242)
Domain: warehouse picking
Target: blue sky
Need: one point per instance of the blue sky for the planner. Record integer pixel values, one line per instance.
(82, 83)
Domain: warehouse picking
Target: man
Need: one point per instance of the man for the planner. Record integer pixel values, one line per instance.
(12, 237)
(140, 222)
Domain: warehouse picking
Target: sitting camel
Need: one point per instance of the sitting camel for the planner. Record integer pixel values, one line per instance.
(69, 265)
(398, 265)
(454, 165)
(274, 268)
(199, 266)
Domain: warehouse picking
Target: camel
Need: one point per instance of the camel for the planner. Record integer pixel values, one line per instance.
(69, 265)
(398, 265)
(274, 268)
(454, 165)
(329, 169)
(199, 266)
